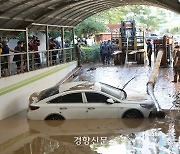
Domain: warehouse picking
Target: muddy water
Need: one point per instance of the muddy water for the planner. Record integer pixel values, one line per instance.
(118, 75)
(106, 136)
(102, 136)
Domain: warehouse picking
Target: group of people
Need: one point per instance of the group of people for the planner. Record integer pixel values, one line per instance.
(20, 56)
(176, 59)
(5, 50)
(54, 44)
(106, 51)
(33, 46)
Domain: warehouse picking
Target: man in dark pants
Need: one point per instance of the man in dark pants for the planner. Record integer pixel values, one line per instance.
(102, 48)
(104, 52)
(17, 58)
(109, 49)
(78, 52)
(149, 50)
(177, 65)
(4, 59)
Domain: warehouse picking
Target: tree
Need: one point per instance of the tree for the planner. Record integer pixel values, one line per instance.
(175, 30)
(112, 16)
(90, 26)
(148, 17)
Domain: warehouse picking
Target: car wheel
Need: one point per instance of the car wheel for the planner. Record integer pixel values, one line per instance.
(55, 117)
(133, 114)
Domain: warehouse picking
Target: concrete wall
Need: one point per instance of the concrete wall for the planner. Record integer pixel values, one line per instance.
(15, 90)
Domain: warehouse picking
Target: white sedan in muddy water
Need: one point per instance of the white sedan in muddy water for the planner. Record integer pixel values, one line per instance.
(87, 100)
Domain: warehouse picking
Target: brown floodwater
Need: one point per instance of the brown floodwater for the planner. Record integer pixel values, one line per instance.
(101, 136)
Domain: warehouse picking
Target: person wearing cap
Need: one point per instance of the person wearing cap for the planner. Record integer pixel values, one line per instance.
(149, 51)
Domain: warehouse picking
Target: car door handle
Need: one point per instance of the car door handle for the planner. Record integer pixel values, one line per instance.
(63, 108)
(91, 108)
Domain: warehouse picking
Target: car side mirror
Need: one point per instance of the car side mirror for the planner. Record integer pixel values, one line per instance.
(110, 101)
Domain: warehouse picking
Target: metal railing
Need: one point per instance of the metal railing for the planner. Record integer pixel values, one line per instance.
(34, 60)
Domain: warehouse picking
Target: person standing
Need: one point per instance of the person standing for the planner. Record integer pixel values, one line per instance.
(149, 51)
(52, 46)
(4, 59)
(109, 51)
(33, 46)
(78, 52)
(17, 58)
(103, 52)
(177, 65)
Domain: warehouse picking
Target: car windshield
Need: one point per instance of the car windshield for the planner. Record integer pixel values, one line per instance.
(113, 91)
(48, 92)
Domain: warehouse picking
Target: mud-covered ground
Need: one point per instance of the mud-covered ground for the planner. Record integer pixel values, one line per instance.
(107, 136)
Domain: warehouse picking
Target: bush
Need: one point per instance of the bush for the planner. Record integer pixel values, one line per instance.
(90, 54)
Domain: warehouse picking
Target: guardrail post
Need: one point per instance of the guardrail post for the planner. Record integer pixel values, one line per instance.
(9, 66)
(50, 61)
(22, 64)
(164, 59)
(47, 45)
(63, 50)
(27, 50)
(73, 50)
(33, 62)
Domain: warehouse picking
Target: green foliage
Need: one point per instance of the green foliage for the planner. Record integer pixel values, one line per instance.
(54, 34)
(112, 16)
(145, 16)
(175, 30)
(90, 54)
(151, 21)
(90, 26)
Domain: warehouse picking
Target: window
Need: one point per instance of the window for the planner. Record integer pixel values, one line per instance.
(49, 92)
(69, 98)
(96, 98)
(56, 100)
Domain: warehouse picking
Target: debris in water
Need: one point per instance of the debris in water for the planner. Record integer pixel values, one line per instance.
(91, 69)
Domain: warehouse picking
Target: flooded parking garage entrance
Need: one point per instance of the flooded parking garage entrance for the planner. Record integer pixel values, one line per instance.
(107, 136)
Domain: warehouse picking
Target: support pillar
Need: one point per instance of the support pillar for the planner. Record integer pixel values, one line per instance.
(164, 62)
(27, 49)
(47, 46)
(64, 51)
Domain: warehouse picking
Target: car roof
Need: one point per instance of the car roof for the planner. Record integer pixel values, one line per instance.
(82, 86)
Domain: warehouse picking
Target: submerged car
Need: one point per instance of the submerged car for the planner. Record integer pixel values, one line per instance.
(87, 100)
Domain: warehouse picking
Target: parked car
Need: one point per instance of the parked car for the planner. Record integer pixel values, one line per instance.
(152, 37)
(87, 100)
(176, 38)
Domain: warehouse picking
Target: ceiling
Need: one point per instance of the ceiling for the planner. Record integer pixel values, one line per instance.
(19, 14)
